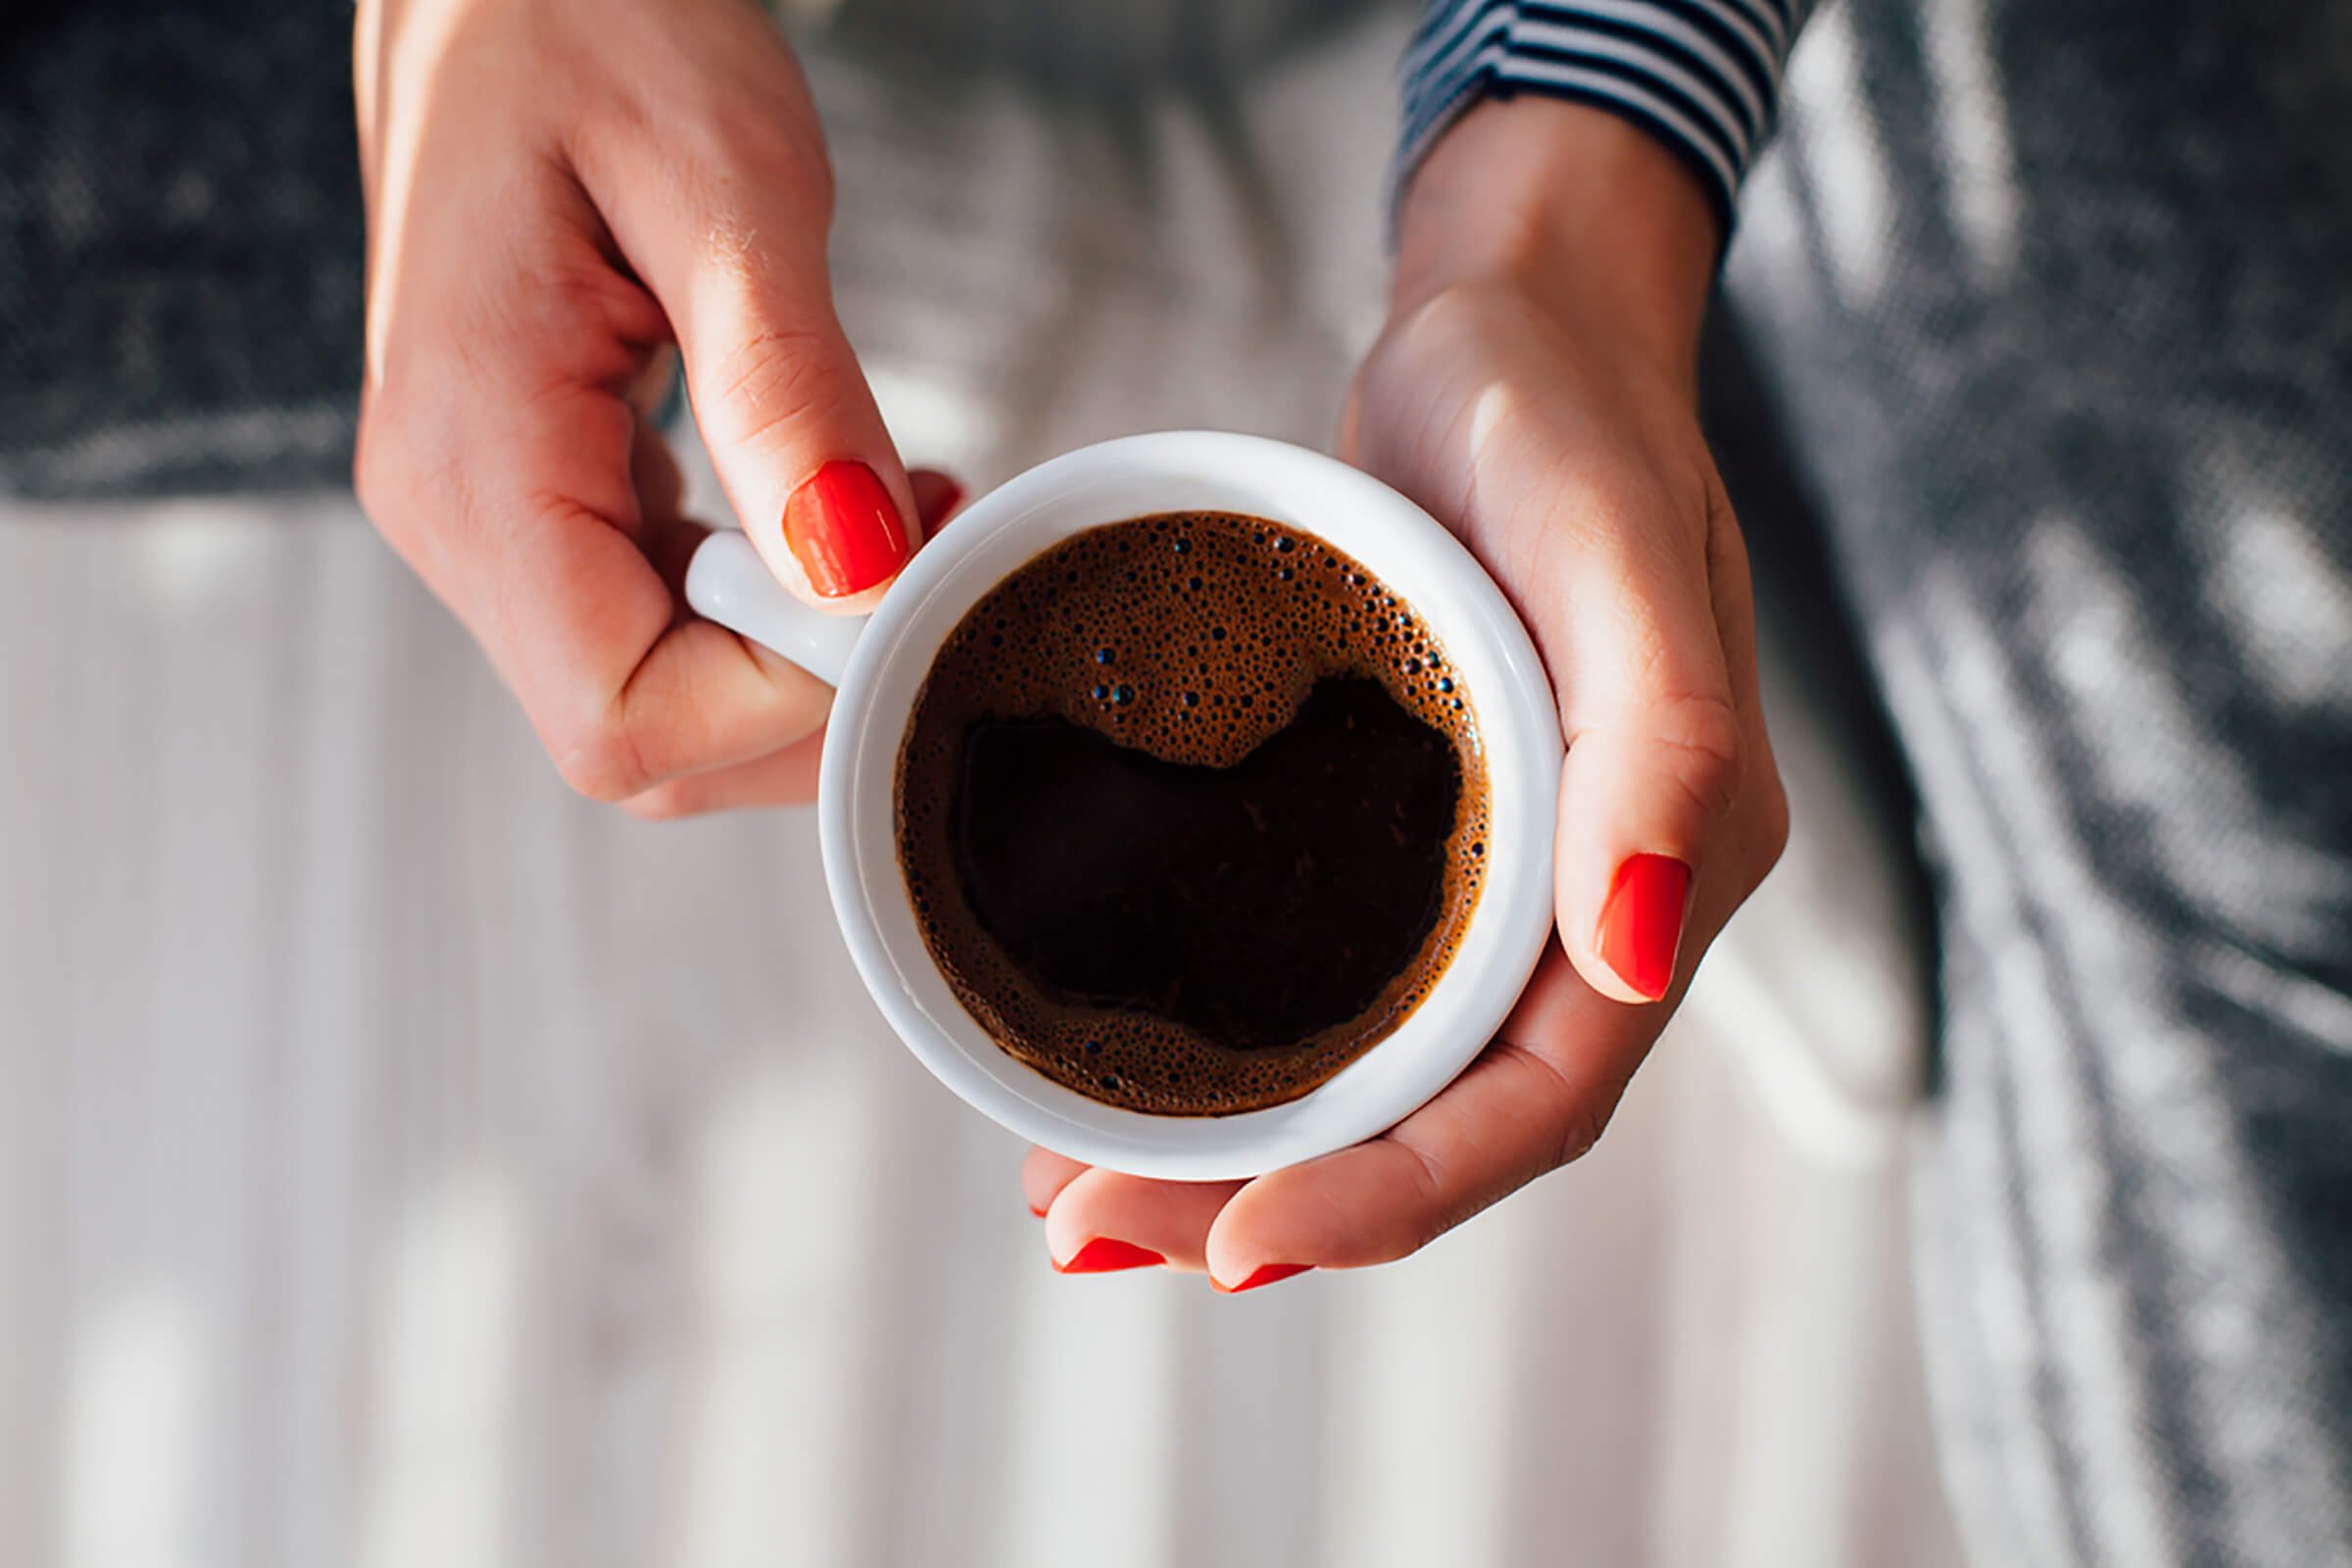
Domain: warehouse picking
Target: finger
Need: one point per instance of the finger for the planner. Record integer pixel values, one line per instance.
(502, 458)
(732, 244)
(1612, 548)
(1104, 1215)
(938, 496)
(1534, 1101)
(1656, 745)
(786, 777)
(1749, 844)
(1043, 1174)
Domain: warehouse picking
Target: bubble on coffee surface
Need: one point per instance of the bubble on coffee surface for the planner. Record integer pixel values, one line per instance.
(1194, 638)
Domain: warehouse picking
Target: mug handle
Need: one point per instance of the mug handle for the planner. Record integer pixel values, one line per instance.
(727, 583)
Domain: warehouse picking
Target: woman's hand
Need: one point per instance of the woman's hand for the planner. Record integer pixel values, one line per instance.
(559, 194)
(1535, 389)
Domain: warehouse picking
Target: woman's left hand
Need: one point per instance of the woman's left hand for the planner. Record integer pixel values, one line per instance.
(1535, 390)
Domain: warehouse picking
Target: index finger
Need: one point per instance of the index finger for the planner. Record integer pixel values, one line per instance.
(507, 485)
(1535, 1100)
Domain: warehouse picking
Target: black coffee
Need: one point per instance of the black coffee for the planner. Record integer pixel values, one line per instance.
(1192, 812)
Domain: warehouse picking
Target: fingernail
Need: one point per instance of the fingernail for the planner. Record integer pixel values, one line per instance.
(1267, 1274)
(1036, 1212)
(844, 529)
(1106, 1254)
(950, 496)
(1641, 922)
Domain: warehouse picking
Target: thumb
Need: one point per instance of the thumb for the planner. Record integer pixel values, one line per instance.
(777, 391)
(1655, 758)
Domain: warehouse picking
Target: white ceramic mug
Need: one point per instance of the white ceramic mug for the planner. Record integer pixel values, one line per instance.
(877, 666)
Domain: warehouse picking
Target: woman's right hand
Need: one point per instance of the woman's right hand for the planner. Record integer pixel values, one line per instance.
(559, 193)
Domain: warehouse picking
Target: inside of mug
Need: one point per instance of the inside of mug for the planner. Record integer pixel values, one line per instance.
(1489, 650)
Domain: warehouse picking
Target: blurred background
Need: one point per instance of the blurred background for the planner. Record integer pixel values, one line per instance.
(405, 1161)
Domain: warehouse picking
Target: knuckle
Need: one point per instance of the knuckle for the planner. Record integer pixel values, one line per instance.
(1705, 747)
(747, 123)
(765, 141)
(775, 380)
(573, 285)
(1429, 1214)
(1575, 1119)
(408, 461)
(408, 493)
(601, 760)
(1580, 1128)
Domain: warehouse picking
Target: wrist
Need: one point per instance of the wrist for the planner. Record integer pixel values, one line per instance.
(1579, 210)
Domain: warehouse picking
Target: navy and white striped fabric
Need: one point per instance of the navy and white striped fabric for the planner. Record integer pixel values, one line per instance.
(1701, 75)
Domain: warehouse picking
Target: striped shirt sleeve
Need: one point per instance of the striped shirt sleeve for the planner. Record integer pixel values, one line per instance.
(1701, 75)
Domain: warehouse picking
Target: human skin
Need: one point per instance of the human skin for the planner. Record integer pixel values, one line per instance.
(563, 198)
(1534, 388)
(564, 194)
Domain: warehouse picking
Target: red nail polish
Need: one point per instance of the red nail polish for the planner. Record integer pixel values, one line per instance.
(1641, 922)
(1107, 1255)
(1036, 1212)
(1267, 1274)
(844, 529)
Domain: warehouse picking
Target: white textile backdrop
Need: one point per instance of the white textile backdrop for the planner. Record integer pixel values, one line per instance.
(402, 1161)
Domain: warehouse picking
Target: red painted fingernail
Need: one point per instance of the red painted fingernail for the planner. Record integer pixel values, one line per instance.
(844, 529)
(1641, 922)
(1267, 1274)
(1036, 1212)
(950, 496)
(1107, 1255)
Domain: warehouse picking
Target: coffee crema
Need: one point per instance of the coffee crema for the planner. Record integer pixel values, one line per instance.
(1192, 813)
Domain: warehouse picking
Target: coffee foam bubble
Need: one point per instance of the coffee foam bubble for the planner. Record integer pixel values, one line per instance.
(1194, 637)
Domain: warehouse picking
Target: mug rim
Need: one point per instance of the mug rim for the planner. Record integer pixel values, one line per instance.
(1517, 723)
